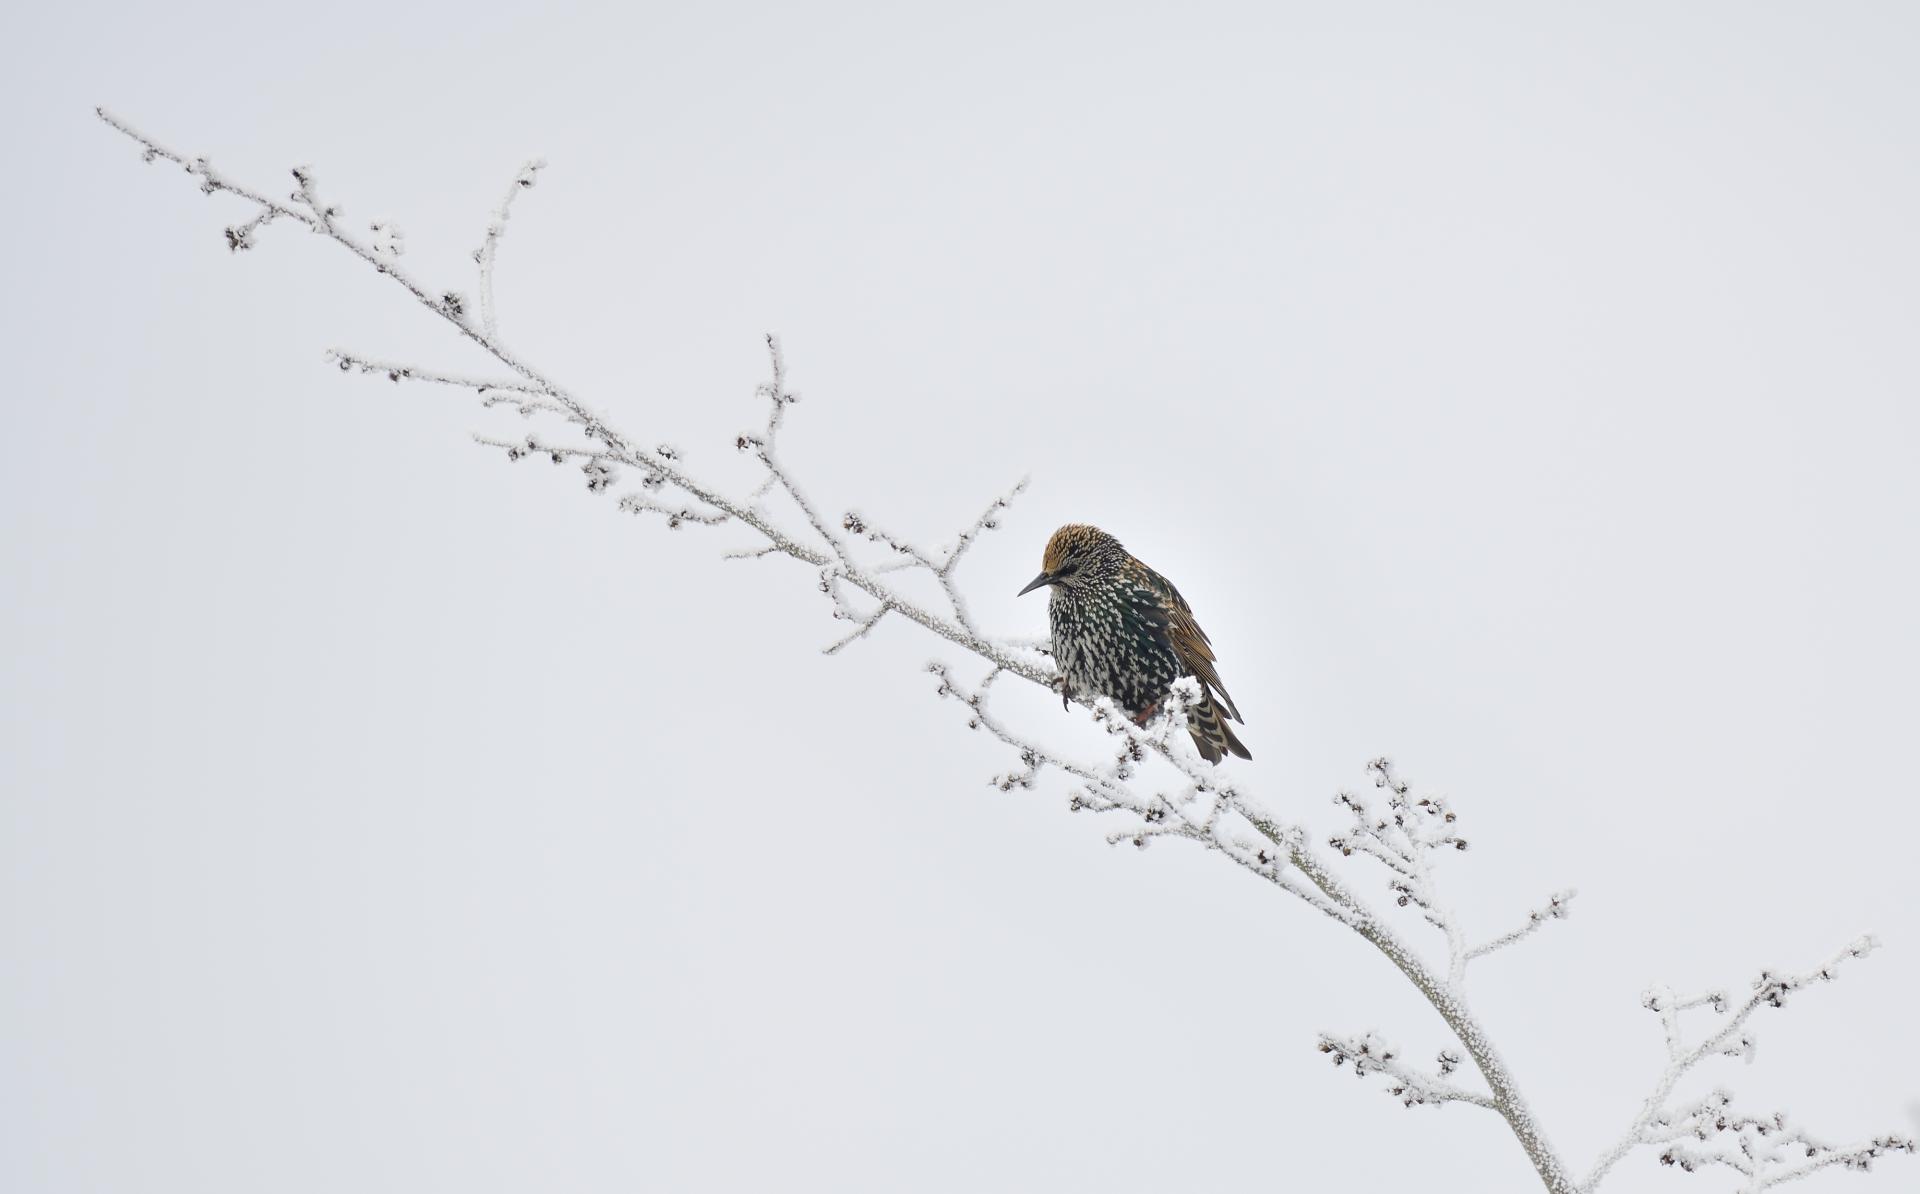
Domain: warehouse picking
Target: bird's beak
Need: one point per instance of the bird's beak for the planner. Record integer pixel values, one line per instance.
(1039, 582)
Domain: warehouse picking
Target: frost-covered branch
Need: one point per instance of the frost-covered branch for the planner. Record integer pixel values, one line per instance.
(1766, 1150)
(497, 228)
(394, 371)
(1149, 783)
(1369, 1055)
(1757, 1147)
(1404, 839)
(1554, 909)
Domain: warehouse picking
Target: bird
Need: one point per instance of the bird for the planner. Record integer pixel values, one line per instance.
(1121, 630)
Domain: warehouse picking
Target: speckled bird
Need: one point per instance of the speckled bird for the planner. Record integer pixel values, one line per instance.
(1122, 630)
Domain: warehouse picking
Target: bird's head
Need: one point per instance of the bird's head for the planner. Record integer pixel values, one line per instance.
(1076, 556)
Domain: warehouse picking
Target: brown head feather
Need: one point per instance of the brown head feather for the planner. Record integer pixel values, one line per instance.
(1074, 535)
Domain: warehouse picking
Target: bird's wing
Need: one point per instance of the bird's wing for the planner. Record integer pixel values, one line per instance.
(1190, 642)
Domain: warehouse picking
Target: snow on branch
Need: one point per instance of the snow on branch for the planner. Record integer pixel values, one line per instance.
(497, 228)
(1766, 1150)
(1763, 1149)
(1402, 839)
(1369, 1055)
(1556, 908)
(1145, 785)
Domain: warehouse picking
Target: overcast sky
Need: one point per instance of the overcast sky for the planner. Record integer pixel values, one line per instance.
(1522, 391)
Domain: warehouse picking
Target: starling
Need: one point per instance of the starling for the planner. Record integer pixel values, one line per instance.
(1122, 630)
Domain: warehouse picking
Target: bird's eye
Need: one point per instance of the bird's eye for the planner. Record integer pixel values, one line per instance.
(1068, 569)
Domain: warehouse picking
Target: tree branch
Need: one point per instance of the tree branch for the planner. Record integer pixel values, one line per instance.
(1369, 1054)
(497, 228)
(1656, 1123)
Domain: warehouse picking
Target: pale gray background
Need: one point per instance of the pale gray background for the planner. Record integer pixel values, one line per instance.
(1522, 391)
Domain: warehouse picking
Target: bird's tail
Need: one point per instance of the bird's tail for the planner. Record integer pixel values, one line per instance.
(1211, 733)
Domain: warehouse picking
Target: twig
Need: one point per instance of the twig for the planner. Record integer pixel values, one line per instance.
(1369, 1054)
(497, 228)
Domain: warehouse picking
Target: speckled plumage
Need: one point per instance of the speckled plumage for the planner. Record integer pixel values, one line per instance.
(1122, 630)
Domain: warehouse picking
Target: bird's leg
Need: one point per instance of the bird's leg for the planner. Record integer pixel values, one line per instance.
(1141, 718)
(1060, 684)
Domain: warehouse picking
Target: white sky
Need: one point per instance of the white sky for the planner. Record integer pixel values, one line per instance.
(1526, 394)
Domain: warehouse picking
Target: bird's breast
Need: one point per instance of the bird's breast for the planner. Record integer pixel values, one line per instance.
(1113, 643)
